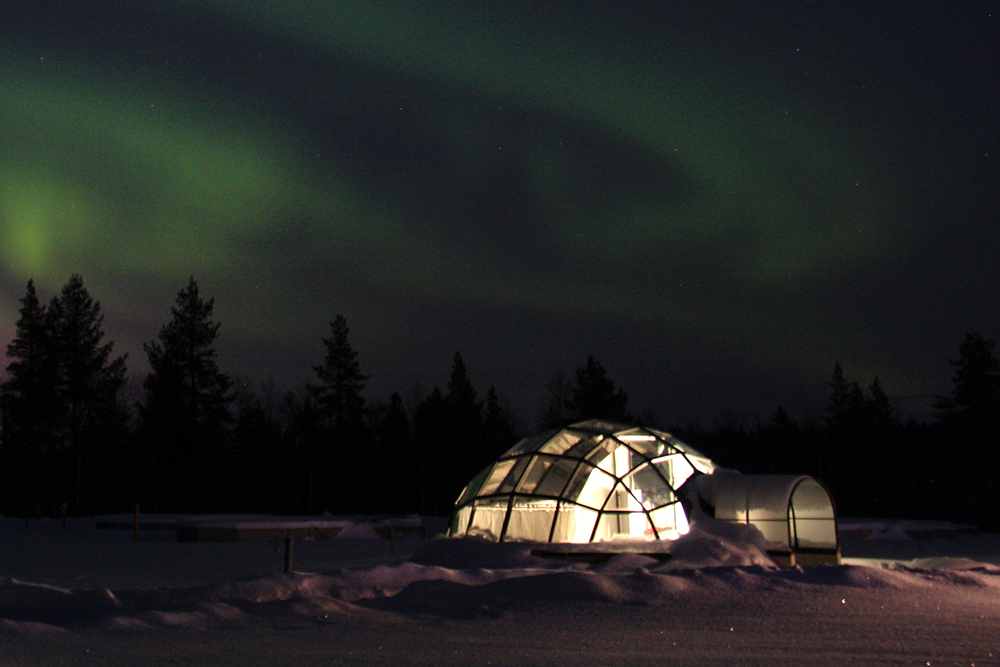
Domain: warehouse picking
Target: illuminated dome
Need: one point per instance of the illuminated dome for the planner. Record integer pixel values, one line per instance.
(589, 482)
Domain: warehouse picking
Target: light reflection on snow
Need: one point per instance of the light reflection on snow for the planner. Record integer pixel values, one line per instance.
(949, 612)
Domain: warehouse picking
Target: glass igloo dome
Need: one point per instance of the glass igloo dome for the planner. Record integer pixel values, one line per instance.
(589, 482)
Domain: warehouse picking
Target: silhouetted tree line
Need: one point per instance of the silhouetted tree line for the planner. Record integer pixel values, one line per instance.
(877, 465)
(63, 423)
(200, 440)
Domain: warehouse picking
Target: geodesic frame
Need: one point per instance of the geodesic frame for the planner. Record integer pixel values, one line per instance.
(589, 482)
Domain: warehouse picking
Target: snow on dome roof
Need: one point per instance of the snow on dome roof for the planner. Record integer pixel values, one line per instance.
(588, 482)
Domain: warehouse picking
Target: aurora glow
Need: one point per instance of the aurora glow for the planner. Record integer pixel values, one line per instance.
(733, 198)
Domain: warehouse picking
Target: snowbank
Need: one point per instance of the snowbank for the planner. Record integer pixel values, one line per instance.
(442, 576)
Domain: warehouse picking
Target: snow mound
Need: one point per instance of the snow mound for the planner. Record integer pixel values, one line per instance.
(714, 543)
(204, 616)
(710, 543)
(27, 628)
(715, 565)
(47, 604)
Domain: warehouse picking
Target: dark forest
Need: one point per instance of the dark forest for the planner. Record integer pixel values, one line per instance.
(76, 440)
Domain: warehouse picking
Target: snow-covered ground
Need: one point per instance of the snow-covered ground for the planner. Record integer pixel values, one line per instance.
(911, 593)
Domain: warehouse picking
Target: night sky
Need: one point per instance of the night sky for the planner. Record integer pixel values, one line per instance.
(717, 199)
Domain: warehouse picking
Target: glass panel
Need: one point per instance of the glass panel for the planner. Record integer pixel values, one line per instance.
(555, 481)
(675, 469)
(765, 497)
(574, 524)
(582, 449)
(460, 522)
(631, 460)
(700, 462)
(622, 499)
(680, 446)
(811, 501)
(670, 521)
(514, 476)
(623, 524)
(529, 444)
(530, 519)
(648, 486)
(662, 435)
(616, 459)
(540, 465)
(496, 476)
(487, 518)
(642, 441)
(560, 442)
(605, 530)
(816, 534)
(473, 488)
(590, 486)
(773, 530)
(600, 425)
(602, 457)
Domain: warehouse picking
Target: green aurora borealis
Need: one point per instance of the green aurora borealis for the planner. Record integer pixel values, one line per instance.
(733, 200)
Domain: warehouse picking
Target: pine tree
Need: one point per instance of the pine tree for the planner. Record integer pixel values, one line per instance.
(340, 381)
(88, 381)
(62, 413)
(499, 427)
(305, 438)
(851, 410)
(185, 381)
(345, 461)
(595, 396)
(970, 421)
(397, 482)
(974, 403)
(433, 435)
(552, 409)
(259, 449)
(846, 407)
(186, 412)
(882, 414)
(858, 442)
(464, 446)
(29, 399)
(465, 407)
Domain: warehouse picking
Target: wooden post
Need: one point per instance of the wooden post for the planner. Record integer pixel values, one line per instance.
(289, 540)
(135, 525)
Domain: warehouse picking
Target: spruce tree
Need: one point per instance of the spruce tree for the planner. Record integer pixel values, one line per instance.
(857, 443)
(464, 449)
(186, 413)
(970, 424)
(306, 438)
(465, 407)
(595, 396)
(87, 386)
(396, 482)
(185, 382)
(552, 409)
(61, 409)
(28, 400)
(259, 450)
(338, 391)
(499, 427)
(433, 434)
(974, 403)
(846, 408)
(850, 410)
(345, 462)
(882, 414)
